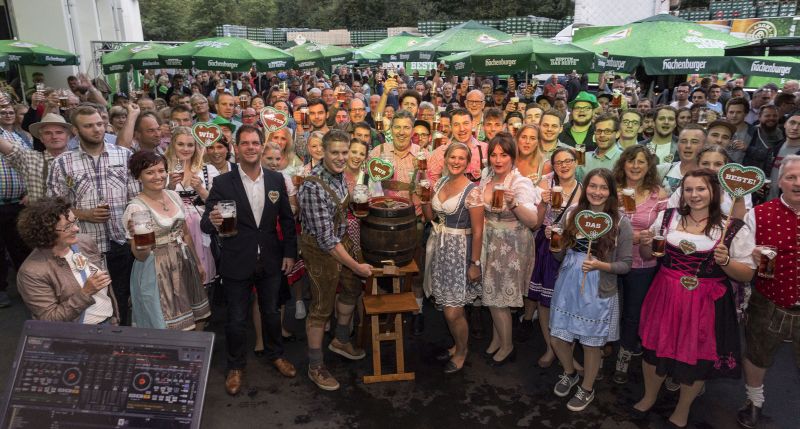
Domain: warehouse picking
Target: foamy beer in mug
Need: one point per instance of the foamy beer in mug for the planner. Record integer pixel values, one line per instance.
(556, 197)
(304, 118)
(555, 238)
(379, 122)
(659, 245)
(243, 102)
(580, 154)
(498, 197)
(144, 237)
(227, 208)
(425, 191)
(360, 200)
(629, 200)
(766, 263)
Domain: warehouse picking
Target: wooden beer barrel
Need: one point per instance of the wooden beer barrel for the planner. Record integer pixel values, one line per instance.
(389, 232)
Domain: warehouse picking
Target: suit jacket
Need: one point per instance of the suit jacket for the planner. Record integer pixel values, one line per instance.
(239, 253)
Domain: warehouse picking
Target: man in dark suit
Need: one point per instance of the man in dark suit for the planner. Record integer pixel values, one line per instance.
(254, 256)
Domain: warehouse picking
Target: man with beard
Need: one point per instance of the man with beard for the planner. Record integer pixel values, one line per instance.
(475, 102)
(663, 143)
(579, 131)
(95, 179)
(735, 113)
(317, 114)
(791, 146)
(767, 136)
(330, 255)
(631, 121)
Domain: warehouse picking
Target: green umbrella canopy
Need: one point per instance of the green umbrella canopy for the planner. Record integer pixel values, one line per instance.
(390, 47)
(529, 53)
(35, 54)
(781, 45)
(139, 55)
(461, 38)
(362, 56)
(226, 53)
(781, 67)
(308, 54)
(663, 44)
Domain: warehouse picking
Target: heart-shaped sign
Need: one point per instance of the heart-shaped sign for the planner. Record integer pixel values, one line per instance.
(206, 133)
(273, 119)
(687, 247)
(380, 169)
(593, 225)
(738, 180)
(690, 282)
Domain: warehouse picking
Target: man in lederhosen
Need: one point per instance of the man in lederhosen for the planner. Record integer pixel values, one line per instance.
(329, 257)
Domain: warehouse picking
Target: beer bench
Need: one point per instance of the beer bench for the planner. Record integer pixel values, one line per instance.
(395, 303)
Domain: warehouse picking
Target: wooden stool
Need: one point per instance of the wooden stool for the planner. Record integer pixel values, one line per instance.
(395, 303)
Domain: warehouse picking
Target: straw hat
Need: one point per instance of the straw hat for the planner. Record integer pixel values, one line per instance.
(49, 119)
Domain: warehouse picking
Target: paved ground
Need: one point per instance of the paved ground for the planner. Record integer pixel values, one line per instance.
(516, 395)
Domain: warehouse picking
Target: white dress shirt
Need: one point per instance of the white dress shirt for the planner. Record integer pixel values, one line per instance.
(255, 192)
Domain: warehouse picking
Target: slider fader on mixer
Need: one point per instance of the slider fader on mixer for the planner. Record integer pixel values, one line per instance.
(105, 385)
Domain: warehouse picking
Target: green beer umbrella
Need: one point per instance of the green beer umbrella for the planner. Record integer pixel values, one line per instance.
(137, 55)
(308, 54)
(226, 53)
(390, 47)
(781, 67)
(523, 54)
(35, 54)
(663, 44)
(362, 56)
(461, 38)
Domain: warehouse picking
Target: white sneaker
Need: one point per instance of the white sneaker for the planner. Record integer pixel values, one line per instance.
(299, 310)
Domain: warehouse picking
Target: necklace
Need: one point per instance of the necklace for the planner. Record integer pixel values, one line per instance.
(697, 222)
(163, 201)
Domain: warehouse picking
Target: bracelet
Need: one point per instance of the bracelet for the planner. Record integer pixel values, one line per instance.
(727, 261)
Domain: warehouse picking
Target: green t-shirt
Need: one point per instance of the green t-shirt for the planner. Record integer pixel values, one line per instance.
(580, 137)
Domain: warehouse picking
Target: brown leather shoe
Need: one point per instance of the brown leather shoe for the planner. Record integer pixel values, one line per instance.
(285, 367)
(233, 383)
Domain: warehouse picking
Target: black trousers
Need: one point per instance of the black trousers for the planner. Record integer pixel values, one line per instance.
(237, 294)
(10, 241)
(120, 261)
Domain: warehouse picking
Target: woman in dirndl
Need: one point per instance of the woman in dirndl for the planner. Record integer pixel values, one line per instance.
(451, 275)
(688, 326)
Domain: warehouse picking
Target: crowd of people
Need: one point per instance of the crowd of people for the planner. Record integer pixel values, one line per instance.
(496, 172)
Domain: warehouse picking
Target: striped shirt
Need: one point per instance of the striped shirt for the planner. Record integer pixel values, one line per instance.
(318, 210)
(33, 166)
(12, 185)
(86, 181)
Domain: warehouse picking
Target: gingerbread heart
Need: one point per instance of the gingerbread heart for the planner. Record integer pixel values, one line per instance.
(206, 133)
(738, 180)
(379, 169)
(593, 225)
(273, 119)
(690, 282)
(687, 247)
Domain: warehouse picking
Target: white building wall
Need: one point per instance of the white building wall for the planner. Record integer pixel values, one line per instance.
(617, 12)
(71, 25)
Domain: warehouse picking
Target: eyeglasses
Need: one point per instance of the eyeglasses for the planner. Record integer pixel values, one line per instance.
(582, 108)
(564, 163)
(358, 109)
(68, 226)
(604, 132)
(475, 102)
(628, 123)
(7, 113)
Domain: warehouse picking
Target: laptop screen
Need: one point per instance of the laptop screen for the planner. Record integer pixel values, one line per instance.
(73, 375)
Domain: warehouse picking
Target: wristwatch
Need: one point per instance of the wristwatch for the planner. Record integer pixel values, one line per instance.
(477, 263)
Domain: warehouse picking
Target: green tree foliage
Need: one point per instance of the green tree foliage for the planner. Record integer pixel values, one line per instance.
(192, 19)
